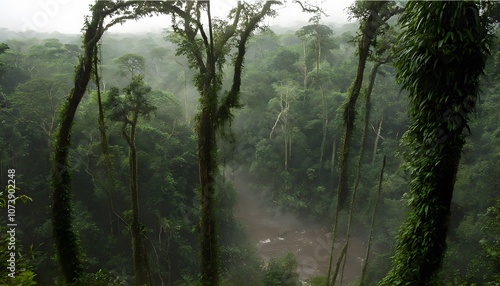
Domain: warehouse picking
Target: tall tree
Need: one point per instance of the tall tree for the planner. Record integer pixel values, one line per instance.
(443, 52)
(321, 41)
(130, 64)
(207, 52)
(286, 94)
(35, 103)
(127, 110)
(3, 48)
(372, 16)
(68, 252)
(382, 46)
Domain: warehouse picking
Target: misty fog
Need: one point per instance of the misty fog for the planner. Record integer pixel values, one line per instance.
(140, 155)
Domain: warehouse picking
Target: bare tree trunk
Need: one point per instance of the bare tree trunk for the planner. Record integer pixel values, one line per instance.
(286, 151)
(141, 268)
(369, 29)
(373, 74)
(305, 64)
(332, 163)
(375, 144)
(325, 126)
(367, 256)
(186, 109)
(104, 142)
(318, 55)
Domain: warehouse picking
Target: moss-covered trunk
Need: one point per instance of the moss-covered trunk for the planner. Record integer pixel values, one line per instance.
(442, 57)
(207, 155)
(369, 30)
(68, 252)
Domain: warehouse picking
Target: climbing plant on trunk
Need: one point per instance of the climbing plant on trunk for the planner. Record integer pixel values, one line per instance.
(444, 47)
(207, 51)
(372, 15)
(68, 252)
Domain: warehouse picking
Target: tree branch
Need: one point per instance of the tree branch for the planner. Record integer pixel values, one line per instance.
(232, 100)
(229, 32)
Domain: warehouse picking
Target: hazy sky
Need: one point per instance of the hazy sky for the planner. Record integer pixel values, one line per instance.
(66, 16)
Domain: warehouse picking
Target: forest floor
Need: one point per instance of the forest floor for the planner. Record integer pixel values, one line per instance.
(275, 233)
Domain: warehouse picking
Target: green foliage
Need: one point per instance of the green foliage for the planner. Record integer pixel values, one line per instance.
(35, 104)
(476, 237)
(23, 278)
(50, 57)
(100, 278)
(439, 39)
(3, 48)
(168, 160)
(133, 103)
(131, 64)
(316, 281)
(284, 60)
(282, 272)
(491, 243)
(24, 274)
(319, 46)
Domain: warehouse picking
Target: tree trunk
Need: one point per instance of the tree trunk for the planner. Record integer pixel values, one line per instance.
(214, 114)
(375, 144)
(332, 162)
(141, 268)
(440, 105)
(186, 108)
(424, 250)
(139, 254)
(318, 55)
(369, 30)
(207, 160)
(377, 199)
(325, 127)
(341, 258)
(110, 184)
(305, 63)
(373, 74)
(68, 252)
(285, 136)
(207, 167)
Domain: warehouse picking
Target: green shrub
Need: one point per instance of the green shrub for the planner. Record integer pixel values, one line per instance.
(282, 272)
(100, 278)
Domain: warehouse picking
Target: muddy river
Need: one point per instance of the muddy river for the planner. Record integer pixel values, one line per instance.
(276, 233)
